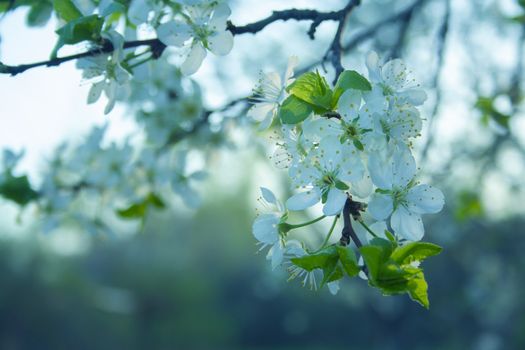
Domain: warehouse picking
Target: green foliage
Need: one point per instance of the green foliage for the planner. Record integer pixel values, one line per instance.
(80, 29)
(293, 110)
(139, 210)
(489, 112)
(391, 268)
(350, 79)
(66, 10)
(39, 14)
(468, 205)
(334, 261)
(17, 189)
(312, 88)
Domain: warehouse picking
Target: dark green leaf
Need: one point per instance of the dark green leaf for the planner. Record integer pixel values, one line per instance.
(139, 210)
(78, 30)
(318, 260)
(293, 110)
(39, 14)
(17, 189)
(348, 260)
(341, 185)
(349, 79)
(66, 10)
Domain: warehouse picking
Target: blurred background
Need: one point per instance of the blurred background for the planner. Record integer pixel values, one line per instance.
(192, 278)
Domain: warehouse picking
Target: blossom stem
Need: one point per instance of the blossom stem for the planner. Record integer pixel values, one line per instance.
(307, 223)
(367, 228)
(327, 238)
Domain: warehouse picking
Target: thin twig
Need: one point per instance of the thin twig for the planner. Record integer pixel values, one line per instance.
(442, 38)
(158, 47)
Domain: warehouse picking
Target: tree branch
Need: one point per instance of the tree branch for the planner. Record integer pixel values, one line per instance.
(157, 47)
(442, 37)
(351, 209)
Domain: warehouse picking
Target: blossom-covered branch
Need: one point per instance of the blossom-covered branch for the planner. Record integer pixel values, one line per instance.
(157, 46)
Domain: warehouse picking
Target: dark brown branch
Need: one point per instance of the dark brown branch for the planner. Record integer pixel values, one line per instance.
(334, 52)
(296, 14)
(368, 33)
(157, 47)
(351, 209)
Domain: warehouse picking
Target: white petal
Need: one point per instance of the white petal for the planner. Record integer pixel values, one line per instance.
(349, 104)
(425, 199)
(174, 33)
(406, 224)
(380, 169)
(372, 63)
(276, 254)
(219, 17)
(194, 59)
(111, 93)
(362, 188)
(415, 97)
(333, 287)
(394, 73)
(95, 91)
(261, 111)
(293, 61)
(265, 228)
(352, 168)
(303, 200)
(379, 228)
(268, 195)
(404, 166)
(138, 12)
(266, 123)
(380, 206)
(221, 43)
(334, 202)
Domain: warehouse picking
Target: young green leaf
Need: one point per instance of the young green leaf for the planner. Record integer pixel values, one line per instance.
(415, 251)
(349, 79)
(293, 110)
(312, 88)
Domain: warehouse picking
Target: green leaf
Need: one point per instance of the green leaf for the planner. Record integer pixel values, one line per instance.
(469, 205)
(17, 189)
(390, 270)
(78, 30)
(415, 251)
(349, 79)
(293, 110)
(373, 260)
(39, 14)
(312, 88)
(331, 272)
(340, 185)
(358, 144)
(418, 290)
(66, 10)
(489, 112)
(318, 260)
(139, 210)
(348, 260)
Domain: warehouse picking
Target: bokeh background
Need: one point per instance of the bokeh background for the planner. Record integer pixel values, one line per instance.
(192, 279)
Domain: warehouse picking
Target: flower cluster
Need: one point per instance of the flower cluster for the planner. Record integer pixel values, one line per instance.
(188, 28)
(350, 143)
